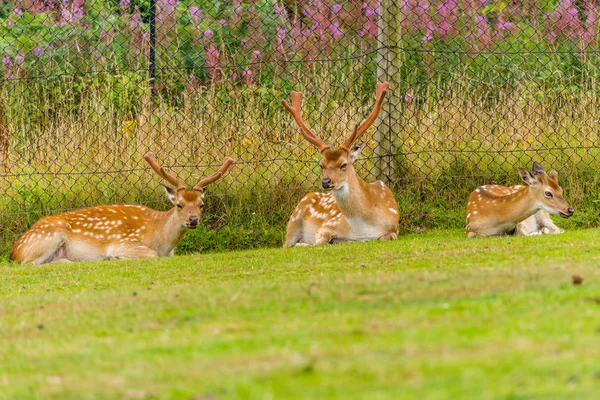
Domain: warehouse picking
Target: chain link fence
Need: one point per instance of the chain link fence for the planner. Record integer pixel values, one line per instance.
(478, 88)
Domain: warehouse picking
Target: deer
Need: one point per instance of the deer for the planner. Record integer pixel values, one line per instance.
(494, 210)
(349, 209)
(125, 231)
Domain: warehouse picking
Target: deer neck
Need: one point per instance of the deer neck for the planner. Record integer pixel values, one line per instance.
(520, 205)
(168, 231)
(353, 196)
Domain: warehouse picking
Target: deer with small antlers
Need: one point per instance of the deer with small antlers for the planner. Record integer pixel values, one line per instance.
(117, 231)
(351, 209)
(522, 209)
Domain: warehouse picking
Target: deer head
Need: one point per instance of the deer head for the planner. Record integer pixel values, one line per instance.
(546, 190)
(336, 164)
(189, 206)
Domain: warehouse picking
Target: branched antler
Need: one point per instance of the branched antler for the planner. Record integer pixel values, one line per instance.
(217, 175)
(382, 88)
(149, 157)
(296, 112)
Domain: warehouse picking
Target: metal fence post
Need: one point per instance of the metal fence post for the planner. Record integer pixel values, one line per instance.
(389, 63)
(152, 55)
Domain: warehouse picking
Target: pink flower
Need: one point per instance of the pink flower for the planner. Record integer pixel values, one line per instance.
(212, 62)
(336, 8)
(195, 13)
(448, 17)
(281, 33)
(18, 12)
(135, 21)
(408, 97)
(208, 34)
(165, 7)
(279, 11)
(20, 58)
(427, 23)
(564, 21)
(483, 28)
(7, 61)
(78, 12)
(336, 30)
(505, 25)
(124, 3)
(247, 76)
(279, 39)
(37, 52)
(591, 21)
(370, 11)
(192, 80)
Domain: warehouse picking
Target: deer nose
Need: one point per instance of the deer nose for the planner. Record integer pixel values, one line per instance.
(193, 220)
(326, 182)
(571, 211)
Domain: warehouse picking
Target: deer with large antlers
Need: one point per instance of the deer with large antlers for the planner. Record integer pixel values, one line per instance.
(117, 231)
(522, 209)
(351, 209)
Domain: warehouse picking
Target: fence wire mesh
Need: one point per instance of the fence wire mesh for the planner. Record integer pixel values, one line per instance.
(478, 87)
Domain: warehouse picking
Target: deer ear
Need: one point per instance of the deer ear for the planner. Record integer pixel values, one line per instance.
(527, 177)
(171, 194)
(355, 151)
(537, 168)
(553, 175)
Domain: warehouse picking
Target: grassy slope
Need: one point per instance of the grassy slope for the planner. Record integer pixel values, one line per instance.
(427, 316)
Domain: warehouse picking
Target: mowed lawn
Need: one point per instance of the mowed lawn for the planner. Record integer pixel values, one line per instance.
(429, 316)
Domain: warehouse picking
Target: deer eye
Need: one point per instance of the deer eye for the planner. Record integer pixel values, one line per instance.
(344, 166)
(201, 206)
(548, 194)
(179, 206)
(321, 166)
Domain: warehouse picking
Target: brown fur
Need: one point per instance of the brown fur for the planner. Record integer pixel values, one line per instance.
(355, 209)
(497, 210)
(105, 232)
(117, 231)
(361, 211)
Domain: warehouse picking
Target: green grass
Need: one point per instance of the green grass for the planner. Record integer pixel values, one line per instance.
(430, 316)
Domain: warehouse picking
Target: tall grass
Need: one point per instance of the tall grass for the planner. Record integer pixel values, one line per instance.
(481, 93)
(453, 138)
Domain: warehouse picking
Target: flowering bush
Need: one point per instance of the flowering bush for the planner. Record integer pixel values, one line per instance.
(244, 42)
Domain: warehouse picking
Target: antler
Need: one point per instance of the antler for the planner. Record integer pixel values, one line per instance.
(208, 180)
(296, 113)
(382, 88)
(149, 157)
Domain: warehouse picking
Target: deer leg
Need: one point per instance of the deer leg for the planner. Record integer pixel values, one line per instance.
(293, 233)
(539, 223)
(527, 227)
(300, 244)
(325, 236)
(60, 261)
(388, 236)
(130, 252)
(545, 224)
(43, 248)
